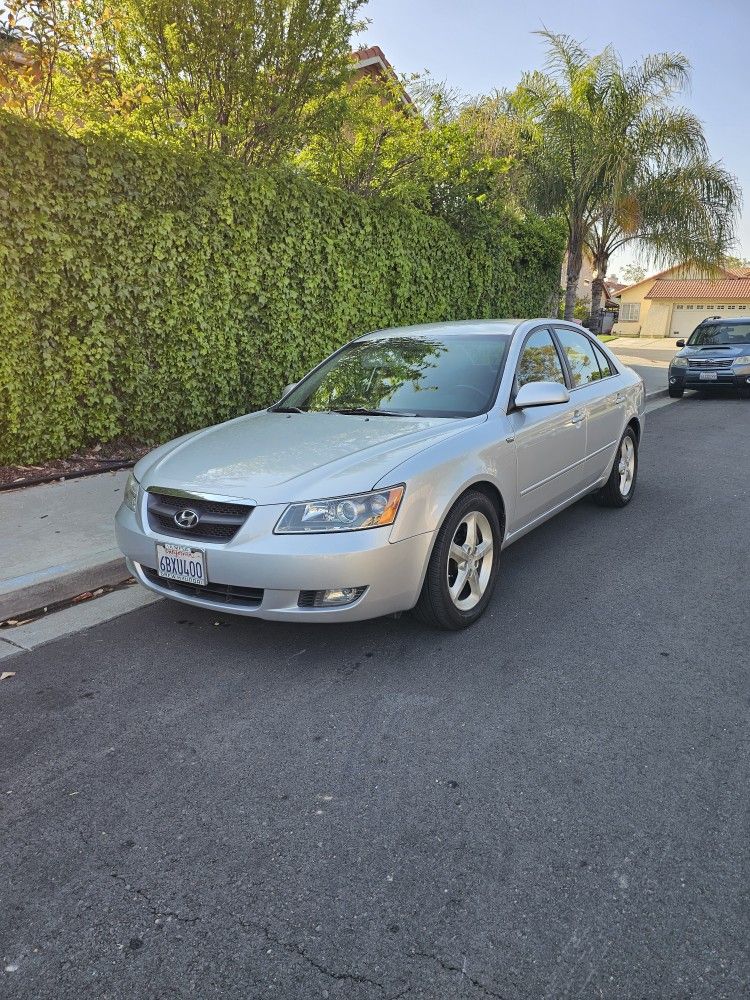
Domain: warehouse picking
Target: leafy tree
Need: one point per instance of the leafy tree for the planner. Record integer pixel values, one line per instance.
(633, 273)
(248, 77)
(53, 61)
(418, 151)
(378, 147)
(738, 263)
(500, 134)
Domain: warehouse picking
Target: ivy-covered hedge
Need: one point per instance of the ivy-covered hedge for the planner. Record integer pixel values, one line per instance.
(147, 291)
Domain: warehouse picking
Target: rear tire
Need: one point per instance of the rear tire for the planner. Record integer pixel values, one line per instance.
(676, 393)
(462, 570)
(621, 483)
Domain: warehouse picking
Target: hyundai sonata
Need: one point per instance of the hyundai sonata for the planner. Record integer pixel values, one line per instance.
(389, 478)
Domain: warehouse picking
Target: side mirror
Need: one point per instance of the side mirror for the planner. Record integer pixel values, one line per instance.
(541, 394)
(680, 343)
(287, 388)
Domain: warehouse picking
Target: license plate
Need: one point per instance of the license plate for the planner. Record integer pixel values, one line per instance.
(708, 376)
(182, 563)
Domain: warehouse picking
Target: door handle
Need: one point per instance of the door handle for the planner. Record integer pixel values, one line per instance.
(577, 417)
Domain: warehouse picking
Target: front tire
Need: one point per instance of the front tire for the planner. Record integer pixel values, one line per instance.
(621, 483)
(676, 393)
(462, 571)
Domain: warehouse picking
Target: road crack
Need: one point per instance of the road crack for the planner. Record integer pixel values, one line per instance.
(155, 910)
(449, 967)
(297, 949)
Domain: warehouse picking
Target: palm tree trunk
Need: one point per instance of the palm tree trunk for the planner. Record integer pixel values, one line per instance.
(601, 263)
(572, 274)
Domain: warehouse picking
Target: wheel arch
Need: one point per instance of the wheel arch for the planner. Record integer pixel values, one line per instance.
(493, 494)
(635, 423)
(479, 485)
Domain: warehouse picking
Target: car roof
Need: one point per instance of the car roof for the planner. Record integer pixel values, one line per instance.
(452, 327)
(725, 319)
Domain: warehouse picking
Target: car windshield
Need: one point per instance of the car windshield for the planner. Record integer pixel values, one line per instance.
(720, 335)
(431, 376)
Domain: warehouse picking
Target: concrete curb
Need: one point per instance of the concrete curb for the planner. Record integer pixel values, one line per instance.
(73, 619)
(60, 583)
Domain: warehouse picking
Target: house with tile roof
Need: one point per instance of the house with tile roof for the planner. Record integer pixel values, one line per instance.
(673, 302)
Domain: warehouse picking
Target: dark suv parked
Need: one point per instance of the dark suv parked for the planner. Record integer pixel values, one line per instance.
(716, 355)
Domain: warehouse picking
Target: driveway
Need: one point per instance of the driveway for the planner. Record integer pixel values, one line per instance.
(550, 805)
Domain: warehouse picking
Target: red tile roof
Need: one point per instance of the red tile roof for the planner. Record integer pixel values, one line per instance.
(730, 272)
(372, 52)
(729, 290)
(374, 57)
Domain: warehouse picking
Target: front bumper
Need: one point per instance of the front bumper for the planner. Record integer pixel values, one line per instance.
(282, 566)
(681, 378)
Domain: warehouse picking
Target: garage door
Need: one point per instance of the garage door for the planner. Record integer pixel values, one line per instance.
(685, 318)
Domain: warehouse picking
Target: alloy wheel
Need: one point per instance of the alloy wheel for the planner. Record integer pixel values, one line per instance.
(470, 561)
(626, 466)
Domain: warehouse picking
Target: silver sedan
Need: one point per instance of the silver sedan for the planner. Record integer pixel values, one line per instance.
(390, 478)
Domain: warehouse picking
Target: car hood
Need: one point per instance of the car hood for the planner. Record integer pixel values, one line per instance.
(717, 351)
(270, 457)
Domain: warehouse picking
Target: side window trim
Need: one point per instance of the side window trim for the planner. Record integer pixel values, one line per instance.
(601, 356)
(568, 370)
(560, 357)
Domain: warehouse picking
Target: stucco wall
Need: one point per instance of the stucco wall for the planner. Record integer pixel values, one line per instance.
(656, 323)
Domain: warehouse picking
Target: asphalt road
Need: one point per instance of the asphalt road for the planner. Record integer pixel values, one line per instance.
(553, 804)
(664, 355)
(654, 374)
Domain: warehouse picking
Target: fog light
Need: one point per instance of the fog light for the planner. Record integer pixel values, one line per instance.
(672, 381)
(330, 598)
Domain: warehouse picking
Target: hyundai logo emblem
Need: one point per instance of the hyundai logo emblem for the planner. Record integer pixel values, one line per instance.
(186, 518)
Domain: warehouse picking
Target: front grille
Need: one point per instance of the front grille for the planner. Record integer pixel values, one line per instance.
(710, 364)
(217, 521)
(217, 593)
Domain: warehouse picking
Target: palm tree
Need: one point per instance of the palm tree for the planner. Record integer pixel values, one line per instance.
(564, 106)
(619, 163)
(663, 192)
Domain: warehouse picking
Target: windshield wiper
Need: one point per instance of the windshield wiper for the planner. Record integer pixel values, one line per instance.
(362, 411)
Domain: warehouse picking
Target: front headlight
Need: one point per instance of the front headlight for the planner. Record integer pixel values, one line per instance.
(353, 513)
(679, 362)
(131, 492)
(741, 362)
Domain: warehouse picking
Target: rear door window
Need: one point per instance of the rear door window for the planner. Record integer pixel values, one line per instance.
(584, 367)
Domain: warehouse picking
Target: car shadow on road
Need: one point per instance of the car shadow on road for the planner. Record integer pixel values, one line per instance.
(560, 557)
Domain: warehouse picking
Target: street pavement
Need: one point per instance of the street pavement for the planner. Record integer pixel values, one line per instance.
(650, 358)
(552, 804)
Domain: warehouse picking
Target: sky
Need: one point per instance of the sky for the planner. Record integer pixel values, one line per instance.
(480, 45)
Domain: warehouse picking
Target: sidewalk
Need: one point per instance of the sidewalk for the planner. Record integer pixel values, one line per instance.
(57, 541)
